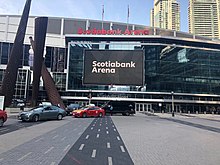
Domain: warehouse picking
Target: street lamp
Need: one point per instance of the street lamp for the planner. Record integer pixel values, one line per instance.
(172, 95)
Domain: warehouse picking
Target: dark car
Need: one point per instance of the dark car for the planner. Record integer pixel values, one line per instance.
(42, 113)
(3, 117)
(70, 108)
(126, 108)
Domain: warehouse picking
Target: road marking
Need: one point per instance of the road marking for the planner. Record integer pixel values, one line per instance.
(108, 145)
(97, 135)
(63, 138)
(93, 153)
(81, 147)
(87, 136)
(52, 163)
(98, 130)
(106, 127)
(66, 147)
(55, 137)
(122, 149)
(118, 138)
(114, 129)
(107, 132)
(49, 150)
(38, 140)
(110, 161)
(24, 156)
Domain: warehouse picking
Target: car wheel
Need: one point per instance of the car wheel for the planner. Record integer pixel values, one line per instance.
(100, 114)
(84, 115)
(59, 117)
(35, 118)
(1, 122)
(127, 113)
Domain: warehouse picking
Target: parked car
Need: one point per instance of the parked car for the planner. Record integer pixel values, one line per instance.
(89, 111)
(3, 117)
(126, 108)
(70, 108)
(42, 113)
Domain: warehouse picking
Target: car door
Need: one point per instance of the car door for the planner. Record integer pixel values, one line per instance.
(54, 110)
(91, 111)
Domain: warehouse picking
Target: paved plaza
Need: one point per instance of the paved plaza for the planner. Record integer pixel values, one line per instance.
(142, 139)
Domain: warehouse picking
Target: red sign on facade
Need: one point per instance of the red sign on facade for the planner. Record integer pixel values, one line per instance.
(113, 32)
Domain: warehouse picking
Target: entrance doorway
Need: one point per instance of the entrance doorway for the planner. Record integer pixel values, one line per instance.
(140, 107)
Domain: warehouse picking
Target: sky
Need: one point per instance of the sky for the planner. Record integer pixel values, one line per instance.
(114, 10)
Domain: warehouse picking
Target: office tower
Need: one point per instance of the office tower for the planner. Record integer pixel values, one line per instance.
(166, 14)
(203, 16)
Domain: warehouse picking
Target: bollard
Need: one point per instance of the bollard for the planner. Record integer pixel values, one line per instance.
(188, 112)
(197, 112)
(205, 112)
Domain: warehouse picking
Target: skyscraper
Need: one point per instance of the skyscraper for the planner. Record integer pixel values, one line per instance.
(166, 14)
(203, 16)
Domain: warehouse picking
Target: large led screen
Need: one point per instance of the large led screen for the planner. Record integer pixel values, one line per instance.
(113, 67)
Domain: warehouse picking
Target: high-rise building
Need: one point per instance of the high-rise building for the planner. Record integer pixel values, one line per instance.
(204, 16)
(166, 14)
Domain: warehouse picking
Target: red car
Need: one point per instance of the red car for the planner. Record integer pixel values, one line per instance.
(93, 111)
(3, 117)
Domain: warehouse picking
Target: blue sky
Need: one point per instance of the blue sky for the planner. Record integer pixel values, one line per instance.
(114, 10)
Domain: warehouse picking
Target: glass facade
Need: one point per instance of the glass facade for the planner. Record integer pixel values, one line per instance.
(167, 68)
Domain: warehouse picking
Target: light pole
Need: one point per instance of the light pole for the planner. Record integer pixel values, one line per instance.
(90, 96)
(172, 95)
(160, 105)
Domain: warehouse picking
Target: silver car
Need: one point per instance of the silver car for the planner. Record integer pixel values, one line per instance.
(42, 113)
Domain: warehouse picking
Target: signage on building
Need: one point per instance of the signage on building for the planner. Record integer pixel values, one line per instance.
(118, 67)
(113, 32)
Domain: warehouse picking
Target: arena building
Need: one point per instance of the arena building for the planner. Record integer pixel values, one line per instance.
(97, 61)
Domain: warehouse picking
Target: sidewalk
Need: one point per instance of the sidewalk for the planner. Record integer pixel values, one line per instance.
(185, 115)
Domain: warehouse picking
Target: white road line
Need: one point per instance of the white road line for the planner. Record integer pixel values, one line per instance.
(122, 149)
(50, 149)
(98, 130)
(38, 140)
(93, 153)
(81, 147)
(107, 132)
(87, 136)
(97, 135)
(110, 161)
(55, 137)
(118, 138)
(24, 156)
(108, 145)
(52, 163)
(66, 147)
(63, 138)
(106, 127)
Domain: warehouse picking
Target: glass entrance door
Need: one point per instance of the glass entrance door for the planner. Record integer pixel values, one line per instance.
(141, 107)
